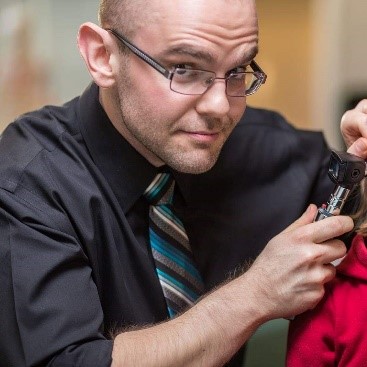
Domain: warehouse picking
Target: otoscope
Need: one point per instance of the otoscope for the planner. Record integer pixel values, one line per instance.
(346, 171)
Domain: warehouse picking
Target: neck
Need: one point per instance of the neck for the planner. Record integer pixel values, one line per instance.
(110, 103)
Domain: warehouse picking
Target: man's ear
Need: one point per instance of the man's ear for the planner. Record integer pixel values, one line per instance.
(95, 45)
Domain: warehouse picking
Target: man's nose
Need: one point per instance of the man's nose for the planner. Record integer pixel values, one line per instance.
(214, 102)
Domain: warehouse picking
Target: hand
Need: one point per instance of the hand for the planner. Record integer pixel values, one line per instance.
(286, 279)
(354, 129)
(289, 275)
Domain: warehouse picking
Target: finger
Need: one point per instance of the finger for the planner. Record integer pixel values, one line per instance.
(362, 106)
(332, 250)
(330, 272)
(354, 123)
(307, 217)
(331, 227)
(359, 148)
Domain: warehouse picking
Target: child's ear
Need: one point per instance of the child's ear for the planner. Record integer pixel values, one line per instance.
(95, 45)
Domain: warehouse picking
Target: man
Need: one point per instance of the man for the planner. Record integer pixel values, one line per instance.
(77, 266)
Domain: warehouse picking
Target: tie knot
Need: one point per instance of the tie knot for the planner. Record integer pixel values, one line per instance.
(160, 191)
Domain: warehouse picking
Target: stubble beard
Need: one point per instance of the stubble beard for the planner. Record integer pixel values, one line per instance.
(134, 118)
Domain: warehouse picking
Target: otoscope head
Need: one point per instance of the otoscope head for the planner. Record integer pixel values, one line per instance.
(346, 170)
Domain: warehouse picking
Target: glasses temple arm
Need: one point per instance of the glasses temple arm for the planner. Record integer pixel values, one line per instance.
(255, 67)
(141, 54)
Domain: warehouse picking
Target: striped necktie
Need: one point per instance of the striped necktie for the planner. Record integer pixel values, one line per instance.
(181, 282)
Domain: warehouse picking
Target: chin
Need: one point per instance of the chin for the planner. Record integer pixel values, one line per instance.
(192, 166)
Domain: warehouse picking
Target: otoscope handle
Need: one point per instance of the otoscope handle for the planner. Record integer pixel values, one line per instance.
(335, 203)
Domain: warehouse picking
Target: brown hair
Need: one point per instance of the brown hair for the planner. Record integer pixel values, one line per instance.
(360, 216)
(123, 15)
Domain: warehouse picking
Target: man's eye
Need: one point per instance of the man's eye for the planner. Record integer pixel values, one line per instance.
(182, 69)
(239, 69)
(187, 72)
(182, 66)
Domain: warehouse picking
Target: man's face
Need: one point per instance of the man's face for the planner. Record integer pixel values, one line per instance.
(185, 132)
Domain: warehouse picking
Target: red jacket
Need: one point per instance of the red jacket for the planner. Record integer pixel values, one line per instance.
(335, 332)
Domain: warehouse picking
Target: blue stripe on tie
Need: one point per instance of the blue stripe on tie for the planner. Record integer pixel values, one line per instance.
(167, 212)
(171, 312)
(166, 249)
(178, 285)
(178, 258)
(171, 259)
(156, 190)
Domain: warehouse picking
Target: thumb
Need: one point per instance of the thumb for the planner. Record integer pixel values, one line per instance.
(307, 217)
(359, 148)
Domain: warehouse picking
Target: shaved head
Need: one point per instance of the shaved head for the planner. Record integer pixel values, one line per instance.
(124, 15)
(128, 16)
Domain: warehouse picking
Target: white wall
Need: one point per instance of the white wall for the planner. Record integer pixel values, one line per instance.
(339, 61)
(70, 75)
(38, 40)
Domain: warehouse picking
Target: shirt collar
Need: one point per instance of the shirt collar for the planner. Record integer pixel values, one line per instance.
(127, 171)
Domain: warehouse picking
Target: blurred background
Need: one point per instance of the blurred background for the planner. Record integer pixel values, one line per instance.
(314, 52)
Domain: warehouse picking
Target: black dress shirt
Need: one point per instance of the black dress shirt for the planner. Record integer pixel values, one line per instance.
(75, 261)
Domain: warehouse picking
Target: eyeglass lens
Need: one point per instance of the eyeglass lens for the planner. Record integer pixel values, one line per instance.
(190, 81)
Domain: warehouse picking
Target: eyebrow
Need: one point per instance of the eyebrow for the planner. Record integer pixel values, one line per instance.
(189, 51)
(205, 55)
(251, 54)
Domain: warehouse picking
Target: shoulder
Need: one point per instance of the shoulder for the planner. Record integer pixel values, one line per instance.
(265, 117)
(45, 167)
(264, 138)
(261, 122)
(32, 139)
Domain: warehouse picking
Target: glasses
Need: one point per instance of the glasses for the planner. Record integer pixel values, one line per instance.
(195, 82)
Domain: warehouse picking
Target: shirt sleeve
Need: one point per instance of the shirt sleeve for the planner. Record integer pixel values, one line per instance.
(50, 307)
(311, 337)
